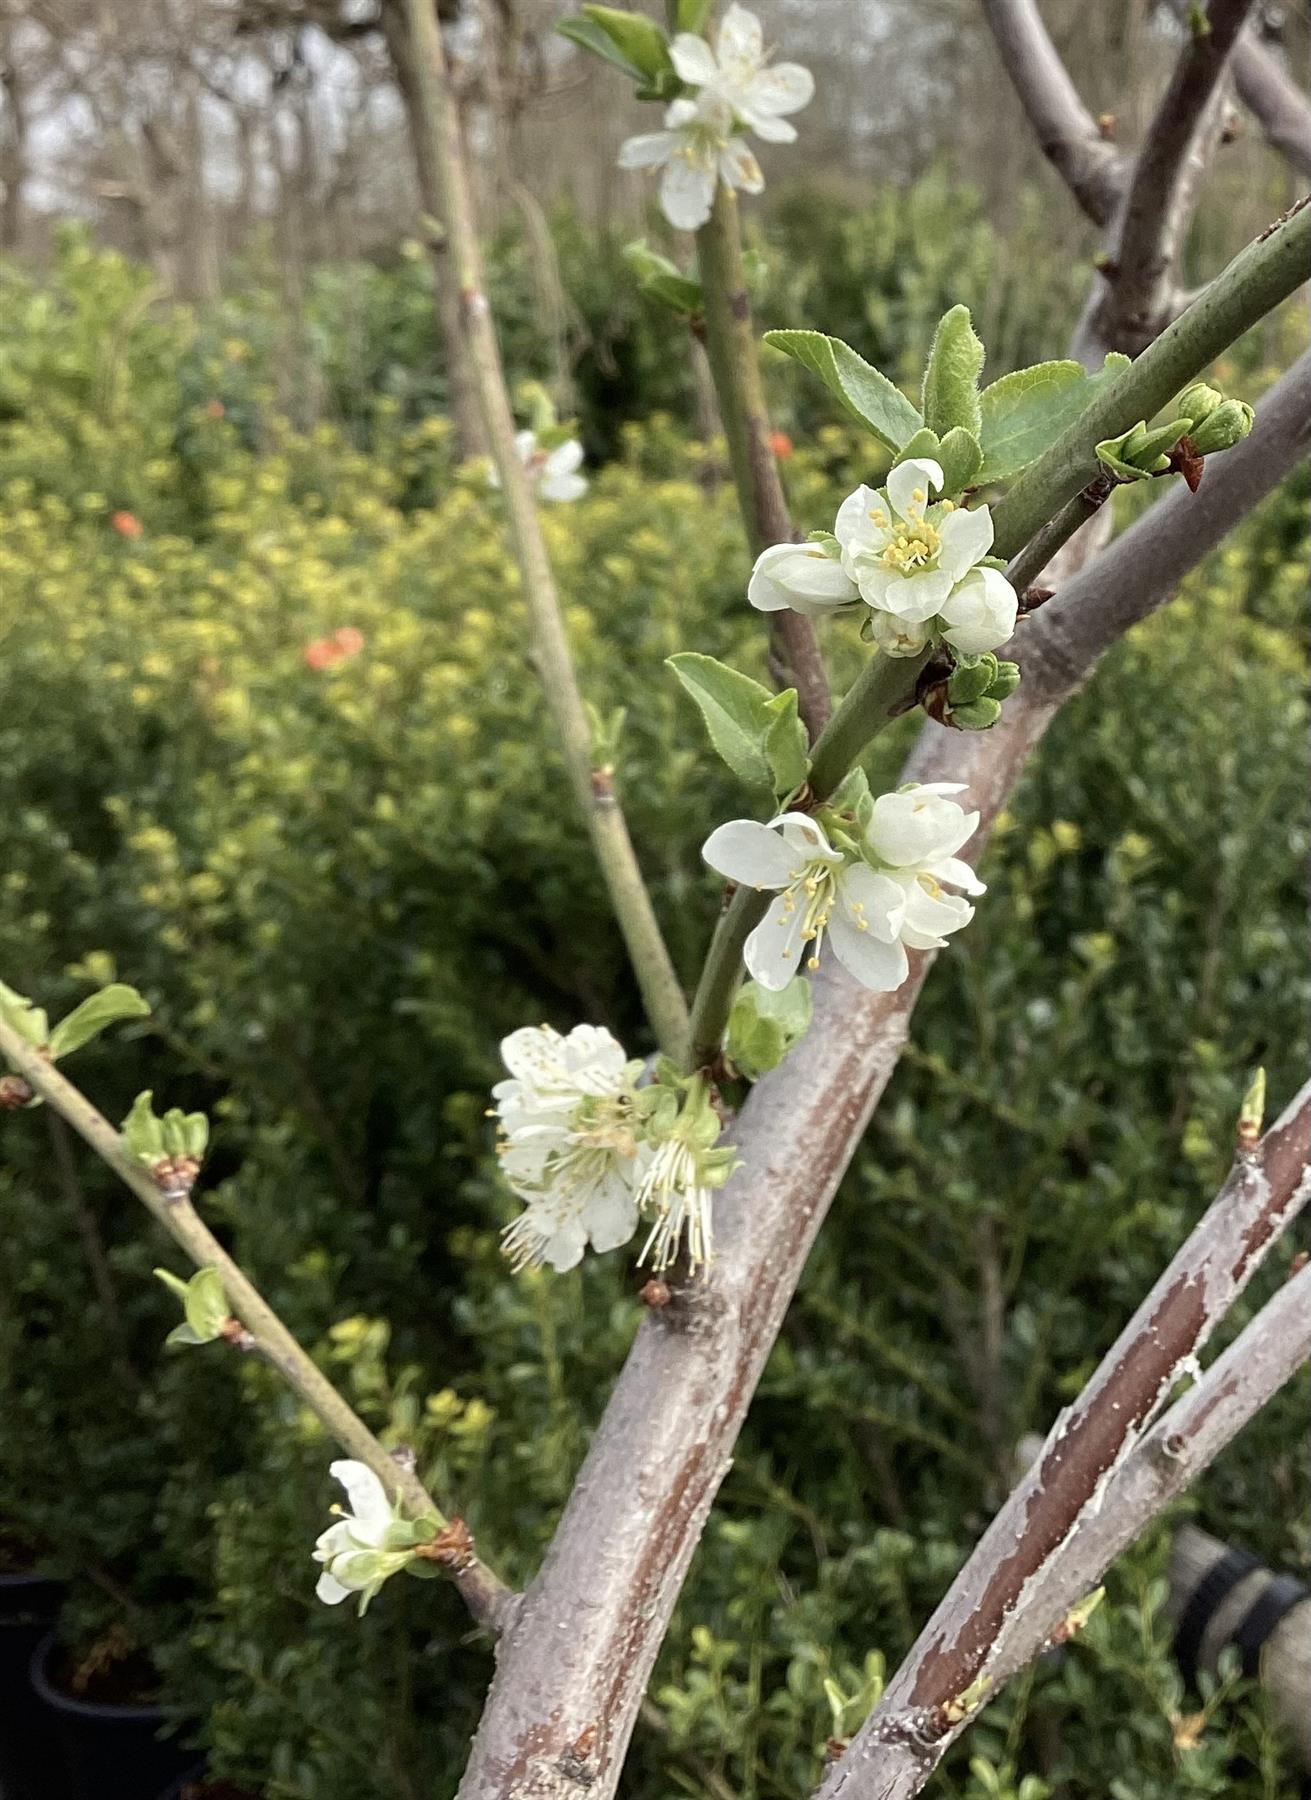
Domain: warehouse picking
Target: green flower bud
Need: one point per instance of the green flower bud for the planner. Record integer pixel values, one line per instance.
(972, 681)
(976, 715)
(1228, 425)
(1006, 682)
(1199, 401)
(203, 1301)
(763, 1025)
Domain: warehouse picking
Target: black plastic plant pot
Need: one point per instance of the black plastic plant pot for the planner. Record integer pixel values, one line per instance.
(106, 1752)
(29, 1605)
(178, 1791)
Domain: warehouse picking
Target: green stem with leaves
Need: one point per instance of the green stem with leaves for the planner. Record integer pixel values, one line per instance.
(593, 787)
(1255, 282)
(483, 1592)
(733, 354)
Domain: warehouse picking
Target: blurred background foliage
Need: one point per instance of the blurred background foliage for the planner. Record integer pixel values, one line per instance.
(340, 880)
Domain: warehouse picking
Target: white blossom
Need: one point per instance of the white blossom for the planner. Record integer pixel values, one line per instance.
(552, 474)
(696, 150)
(356, 1554)
(819, 890)
(568, 1147)
(910, 557)
(733, 90)
(873, 900)
(915, 835)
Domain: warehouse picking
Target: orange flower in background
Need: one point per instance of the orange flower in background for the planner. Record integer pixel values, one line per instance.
(126, 524)
(781, 444)
(215, 409)
(321, 653)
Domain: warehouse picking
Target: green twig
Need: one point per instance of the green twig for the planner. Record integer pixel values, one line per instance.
(482, 1591)
(593, 788)
(733, 356)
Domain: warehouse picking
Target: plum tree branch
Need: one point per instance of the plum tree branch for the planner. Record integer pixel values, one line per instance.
(575, 1660)
(1067, 133)
(734, 359)
(593, 787)
(1164, 179)
(907, 1734)
(487, 1598)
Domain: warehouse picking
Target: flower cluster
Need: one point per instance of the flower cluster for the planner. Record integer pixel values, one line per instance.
(321, 653)
(589, 1152)
(732, 91)
(874, 892)
(552, 472)
(917, 564)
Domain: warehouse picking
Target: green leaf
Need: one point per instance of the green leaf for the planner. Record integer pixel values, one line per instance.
(96, 1014)
(689, 15)
(866, 395)
(28, 1021)
(736, 710)
(976, 715)
(1023, 414)
(142, 1132)
(663, 279)
(960, 460)
(786, 744)
(924, 443)
(950, 397)
(205, 1303)
(589, 36)
(638, 40)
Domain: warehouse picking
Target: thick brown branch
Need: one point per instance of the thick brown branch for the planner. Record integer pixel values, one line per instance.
(574, 1664)
(1166, 175)
(1069, 1483)
(1066, 131)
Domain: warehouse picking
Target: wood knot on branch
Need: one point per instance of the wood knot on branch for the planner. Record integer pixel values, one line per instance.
(656, 1293)
(175, 1176)
(15, 1093)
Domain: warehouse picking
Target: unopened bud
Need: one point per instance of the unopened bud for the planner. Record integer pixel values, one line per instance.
(1228, 425)
(1199, 401)
(14, 1093)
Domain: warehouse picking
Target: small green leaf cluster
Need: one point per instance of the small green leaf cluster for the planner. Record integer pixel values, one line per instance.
(95, 1014)
(152, 1139)
(205, 1303)
(634, 43)
(976, 689)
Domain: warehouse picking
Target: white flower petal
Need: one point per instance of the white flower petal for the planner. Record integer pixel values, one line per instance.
(563, 1249)
(559, 488)
(800, 577)
(806, 838)
(610, 1215)
(774, 951)
(966, 536)
(915, 598)
(329, 1589)
(866, 894)
(910, 829)
(565, 458)
(980, 612)
(740, 39)
(782, 88)
(918, 472)
(897, 637)
(647, 150)
(959, 874)
(877, 965)
(770, 129)
(750, 853)
(930, 918)
(687, 192)
(694, 60)
(738, 167)
(369, 1505)
(854, 527)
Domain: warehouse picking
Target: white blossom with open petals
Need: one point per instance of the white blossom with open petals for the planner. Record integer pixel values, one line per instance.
(906, 554)
(553, 474)
(733, 91)
(355, 1552)
(568, 1145)
(820, 891)
(737, 70)
(915, 835)
(695, 152)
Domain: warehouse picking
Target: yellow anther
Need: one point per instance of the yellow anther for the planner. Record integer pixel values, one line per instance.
(812, 962)
(918, 494)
